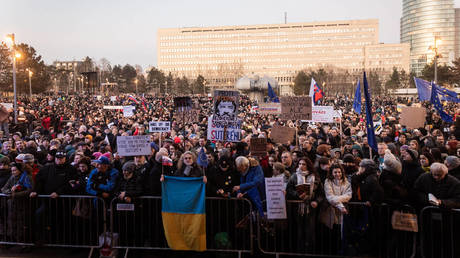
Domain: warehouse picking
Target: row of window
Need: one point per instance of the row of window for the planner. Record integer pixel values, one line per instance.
(219, 34)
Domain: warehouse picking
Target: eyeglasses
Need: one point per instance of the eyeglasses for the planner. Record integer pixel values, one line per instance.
(303, 164)
(187, 157)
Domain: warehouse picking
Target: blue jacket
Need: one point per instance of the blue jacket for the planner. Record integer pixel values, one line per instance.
(253, 185)
(99, 183)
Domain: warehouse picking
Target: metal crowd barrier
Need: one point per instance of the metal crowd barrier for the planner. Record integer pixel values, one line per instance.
(440, 232)
(66, 221)
(139, 225)
(364, 231)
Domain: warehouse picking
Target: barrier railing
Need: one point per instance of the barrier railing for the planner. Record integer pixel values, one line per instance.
(139, 225)
(65, 221)
(440, 231)
(364, 231)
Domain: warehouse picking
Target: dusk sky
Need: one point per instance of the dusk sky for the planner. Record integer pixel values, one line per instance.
(125, 31)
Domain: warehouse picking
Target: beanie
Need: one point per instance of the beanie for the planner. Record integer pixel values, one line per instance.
(390, 163)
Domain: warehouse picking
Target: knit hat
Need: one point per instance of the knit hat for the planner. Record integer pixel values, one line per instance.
(129, 166)
(367, 163)
(413, 154)
(390, 163)
(348, 158)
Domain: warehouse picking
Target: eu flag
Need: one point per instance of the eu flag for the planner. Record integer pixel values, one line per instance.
(369, 123)
(437, 104)
(424, 91)
(357, 100)
(272, 95)
(202, 158)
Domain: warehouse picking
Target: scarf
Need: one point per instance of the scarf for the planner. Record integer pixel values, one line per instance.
(187, 170)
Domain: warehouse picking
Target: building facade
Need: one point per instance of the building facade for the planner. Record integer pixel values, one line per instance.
(425, 22)
(224, 54)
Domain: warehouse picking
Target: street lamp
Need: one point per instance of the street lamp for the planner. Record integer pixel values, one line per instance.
(135, 81)
(10, 38)
(434, 48)
(30, 81)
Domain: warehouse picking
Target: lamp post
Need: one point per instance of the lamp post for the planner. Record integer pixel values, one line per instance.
(434, 48)
(135, 81)
(30, 81)
(10, 38)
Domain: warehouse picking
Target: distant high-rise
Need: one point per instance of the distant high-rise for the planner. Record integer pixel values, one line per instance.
(422, 23)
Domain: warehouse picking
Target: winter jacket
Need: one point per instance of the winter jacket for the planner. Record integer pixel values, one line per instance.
(55, 178)
(447, 190)
(393, 190)
(366, 187)
(99, 183)
(132, 186)
(253, 185)
(336, 194)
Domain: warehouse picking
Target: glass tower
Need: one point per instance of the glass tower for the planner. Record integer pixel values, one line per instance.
(426, 25)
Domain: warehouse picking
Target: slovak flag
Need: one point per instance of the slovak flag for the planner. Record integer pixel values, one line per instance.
(315, 92)
(166, 161)
(130, 97)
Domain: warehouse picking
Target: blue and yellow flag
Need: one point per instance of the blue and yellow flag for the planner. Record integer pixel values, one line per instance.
(183, 212)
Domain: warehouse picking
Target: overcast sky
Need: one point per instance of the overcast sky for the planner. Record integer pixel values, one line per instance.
(125, 31)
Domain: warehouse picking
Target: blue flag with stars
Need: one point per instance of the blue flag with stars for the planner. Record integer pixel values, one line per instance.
(437, 104)
(202, 158)
(424, 91)
(369, 122)
(357, 100)
(272, 95)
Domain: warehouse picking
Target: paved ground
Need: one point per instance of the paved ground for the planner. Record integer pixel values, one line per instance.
(16, 251)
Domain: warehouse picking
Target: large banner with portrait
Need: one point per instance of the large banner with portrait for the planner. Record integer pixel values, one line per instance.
(225, 108)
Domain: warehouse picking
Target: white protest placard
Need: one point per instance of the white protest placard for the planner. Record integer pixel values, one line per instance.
(230, 133)
(113, 98)
(128, 111)
(8, 106)
(113, 107)
(98, 97)
(276, 202)
(322, 114)
(133, 145)
(159, 126)
(270, 108)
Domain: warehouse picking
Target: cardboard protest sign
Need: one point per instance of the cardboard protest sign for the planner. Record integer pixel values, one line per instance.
(413, 117)
(323, 114)
(296, 108)
(229, 133)
(276, 203)
(258, 146)
(133, 145)
(113, 98)
(225, 108)
(8, 106)
(270, 108)
(282, 134)
(128, 111)
(187, 116)
(159, 126)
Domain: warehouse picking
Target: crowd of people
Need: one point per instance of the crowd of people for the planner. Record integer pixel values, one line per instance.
(68, 146)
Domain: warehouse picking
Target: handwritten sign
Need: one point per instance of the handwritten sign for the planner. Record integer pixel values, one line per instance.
(296, 108)
(128, 111)
(230, 133)
(323, 114)
(282, 134)
(270, 108)
(187, 116)
(258, 146)
(133, 145)
(159, 126)
(182, 103)
(276, 203)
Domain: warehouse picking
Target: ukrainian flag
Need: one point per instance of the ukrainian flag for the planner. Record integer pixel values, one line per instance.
(183, 212)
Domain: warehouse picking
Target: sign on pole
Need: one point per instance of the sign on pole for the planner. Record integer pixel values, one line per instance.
(113, 107)
(187, 116)
(128, 111)
(159, 126)
(296, 108)
(229, 133)
(258, 146)
(225, 108)
(323, 114)
(133, 145)
(282, 134)
(276, 203)
(182, 103)
(270, 108)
